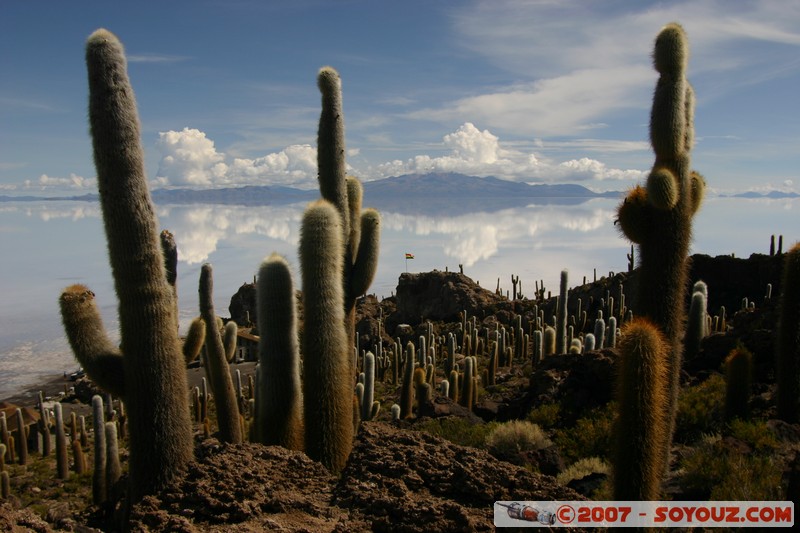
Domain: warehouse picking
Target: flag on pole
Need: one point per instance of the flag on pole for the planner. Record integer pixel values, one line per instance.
(409, 256)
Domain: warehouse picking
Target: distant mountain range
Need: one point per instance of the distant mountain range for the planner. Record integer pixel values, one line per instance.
(450, 185)
(770, 194)
(458, 185)
(411, 193)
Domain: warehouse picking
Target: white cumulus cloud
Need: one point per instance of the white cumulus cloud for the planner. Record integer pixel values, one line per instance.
(189, 158)
(480, 153)
(73, 182)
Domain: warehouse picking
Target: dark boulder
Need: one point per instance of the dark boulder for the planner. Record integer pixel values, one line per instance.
(441, 296)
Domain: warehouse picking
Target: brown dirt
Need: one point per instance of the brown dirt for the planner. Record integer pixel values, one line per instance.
(395, 480)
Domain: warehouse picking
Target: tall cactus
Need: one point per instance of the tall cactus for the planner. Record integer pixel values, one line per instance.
(147, 370)
(230, 428)
(279, 397)
(641, 426)
(327, 382)
(659, 217)
(360, 229)
(788, 339)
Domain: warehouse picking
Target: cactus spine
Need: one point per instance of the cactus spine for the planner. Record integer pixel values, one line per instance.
(659, 218)
(327, 364)
(279, 401)
(230, 429)
(788, 341)
(642, 423)
(150, 376)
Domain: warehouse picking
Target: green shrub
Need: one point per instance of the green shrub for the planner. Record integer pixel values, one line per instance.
(750, 477)
(545, 415)
(457, 430)
(755, 433)
(513, 437)
(590, 436)
(713, 471)
(582, 468)
(701, 410)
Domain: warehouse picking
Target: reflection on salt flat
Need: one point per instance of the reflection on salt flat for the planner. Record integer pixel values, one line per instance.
(480, 236)
(48, 245)
(199, 230)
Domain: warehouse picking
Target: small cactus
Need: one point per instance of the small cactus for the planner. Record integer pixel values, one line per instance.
(62, 462)
(468, 386)
(696, 328)
(113, 467)
(369, 386)
(561, 314)
(22, 441)
(99, 489)
(642, 425)
(79, 458)
(589, 343)
(549, 341)
(279, 402)
(407, 388)
(599, 333)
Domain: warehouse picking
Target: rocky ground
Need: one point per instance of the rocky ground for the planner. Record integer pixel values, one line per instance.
(399, 479)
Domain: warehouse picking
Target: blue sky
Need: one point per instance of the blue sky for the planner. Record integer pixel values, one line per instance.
(536, 91)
